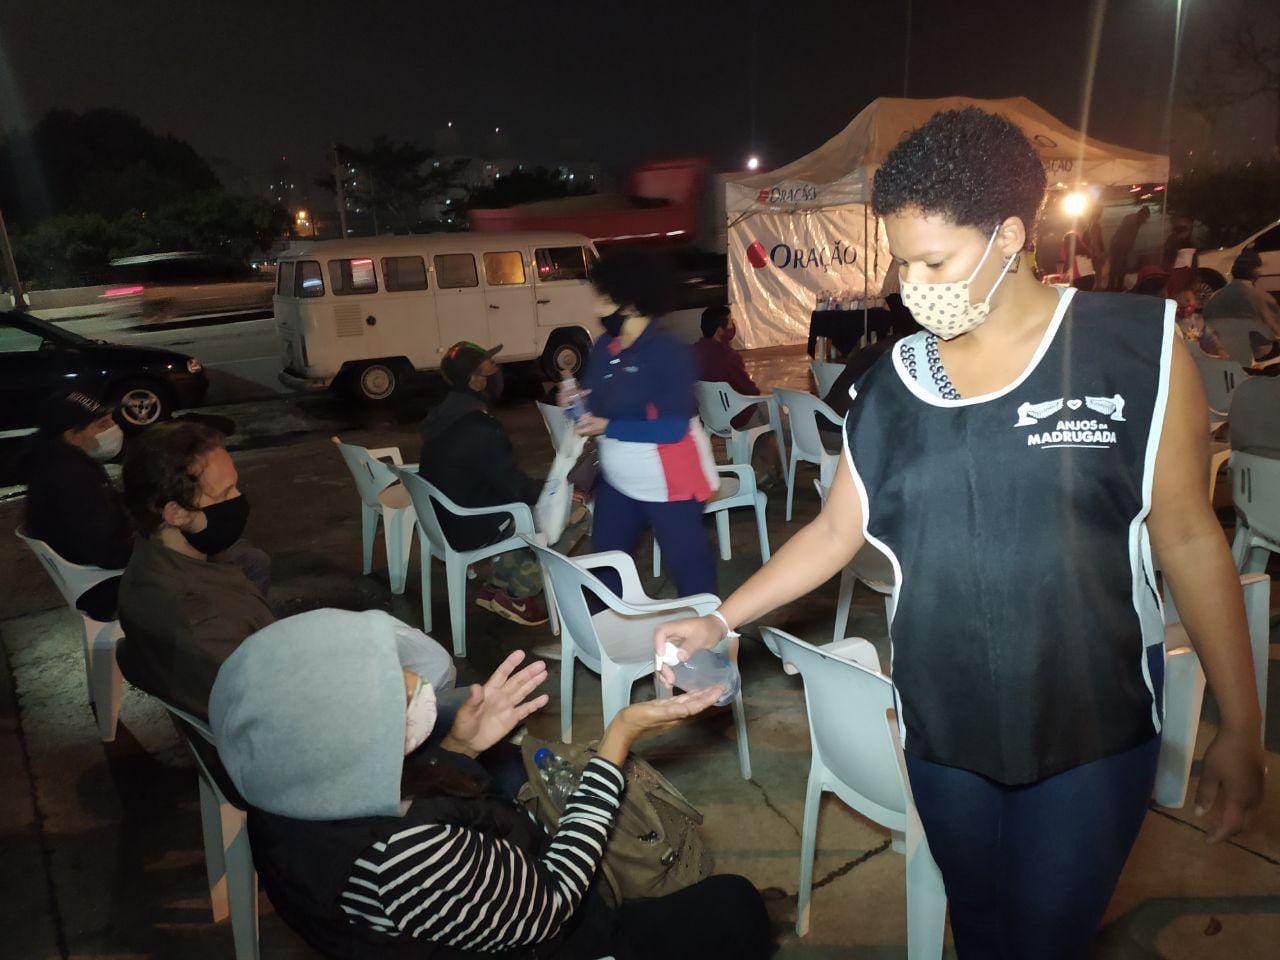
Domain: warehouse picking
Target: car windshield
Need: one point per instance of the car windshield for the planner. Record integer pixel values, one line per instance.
(49, 331)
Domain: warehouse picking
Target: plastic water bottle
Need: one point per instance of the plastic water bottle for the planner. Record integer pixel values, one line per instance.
(577, 407)
(558, 774)
(706, 668)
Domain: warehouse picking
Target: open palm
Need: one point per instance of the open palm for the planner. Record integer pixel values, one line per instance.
(492, 711)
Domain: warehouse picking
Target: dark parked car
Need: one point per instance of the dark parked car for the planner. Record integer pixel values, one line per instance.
(38, 358)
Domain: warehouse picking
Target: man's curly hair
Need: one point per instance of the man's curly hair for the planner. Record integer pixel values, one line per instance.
(972, 167)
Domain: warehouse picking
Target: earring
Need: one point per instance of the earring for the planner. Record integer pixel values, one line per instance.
(1015, 261)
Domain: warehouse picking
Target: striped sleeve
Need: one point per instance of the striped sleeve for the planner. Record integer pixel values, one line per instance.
(466, 889)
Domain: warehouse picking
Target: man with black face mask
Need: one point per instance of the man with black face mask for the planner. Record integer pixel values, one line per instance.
(467, 454)
(186, 597)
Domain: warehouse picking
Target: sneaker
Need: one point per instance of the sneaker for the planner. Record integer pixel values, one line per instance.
(545, 651)
(485, 596)
(527, 611)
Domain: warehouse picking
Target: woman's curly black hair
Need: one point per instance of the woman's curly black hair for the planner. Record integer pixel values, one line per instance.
(972, 167)
(644, 280)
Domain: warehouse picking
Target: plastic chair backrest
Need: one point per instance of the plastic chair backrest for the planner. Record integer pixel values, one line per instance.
(71, 579)
(718, 404)
(1220, 378)
(568, 581)
(371, 475)
(847, 704)
(1234, 335)
(557, 422)
(1255, 416)
(1255, 488)
(825, 375)
(424, 496)
(804, 410)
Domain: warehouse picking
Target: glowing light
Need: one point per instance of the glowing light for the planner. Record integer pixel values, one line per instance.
(753, 163)
(122, 291)
(1074, 204)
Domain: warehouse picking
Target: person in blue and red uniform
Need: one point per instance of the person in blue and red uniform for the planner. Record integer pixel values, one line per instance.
(1019, 461)
(657, 471)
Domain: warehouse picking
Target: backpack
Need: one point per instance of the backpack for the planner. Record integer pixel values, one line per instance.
(655, 847)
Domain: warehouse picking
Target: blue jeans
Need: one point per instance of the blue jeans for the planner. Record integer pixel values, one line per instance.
(1029, 870)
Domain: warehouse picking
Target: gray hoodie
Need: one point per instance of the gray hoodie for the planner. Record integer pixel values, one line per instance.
(309, 714)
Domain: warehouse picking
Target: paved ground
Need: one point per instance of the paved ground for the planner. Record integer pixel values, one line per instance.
(100, 849)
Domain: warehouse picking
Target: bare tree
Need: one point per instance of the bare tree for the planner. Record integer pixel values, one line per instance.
(1240, 62)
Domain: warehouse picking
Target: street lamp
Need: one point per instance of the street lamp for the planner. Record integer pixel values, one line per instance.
(753, 162)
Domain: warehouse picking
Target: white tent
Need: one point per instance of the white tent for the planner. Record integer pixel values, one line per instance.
(806, 228)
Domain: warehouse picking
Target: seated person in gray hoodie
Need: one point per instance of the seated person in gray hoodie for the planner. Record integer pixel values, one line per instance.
(467, 455)
(368, 852)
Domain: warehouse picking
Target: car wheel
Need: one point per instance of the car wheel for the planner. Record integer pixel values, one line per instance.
(375, 382)
(142, 403)
(565, 353)
(1207, 284)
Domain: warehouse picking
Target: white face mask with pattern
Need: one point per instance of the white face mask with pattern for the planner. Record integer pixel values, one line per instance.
(944, 308)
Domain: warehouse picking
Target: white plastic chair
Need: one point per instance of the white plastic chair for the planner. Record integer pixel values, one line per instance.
(870, 567)
(617, 643)
(1220, 378)
(719, 403)
(857, 755)
(100, 639)
(1184, 687)
(803, 410)
(228, 859)
(382, 497)
(737, 489)
(825, 374)
(433, 542)
(1255, 487)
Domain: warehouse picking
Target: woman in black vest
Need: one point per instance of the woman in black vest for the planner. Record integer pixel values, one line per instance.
(371, 844)
(1019, 461)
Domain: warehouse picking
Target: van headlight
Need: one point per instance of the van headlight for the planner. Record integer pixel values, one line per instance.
(193, 365)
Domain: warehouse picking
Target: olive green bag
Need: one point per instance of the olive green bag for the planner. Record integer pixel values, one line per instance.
(655, 847)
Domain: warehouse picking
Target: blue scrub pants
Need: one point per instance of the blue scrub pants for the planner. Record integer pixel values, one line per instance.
(677, 526)
(1029, 870)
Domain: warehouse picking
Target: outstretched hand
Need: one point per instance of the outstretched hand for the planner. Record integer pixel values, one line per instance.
(650, 717)
(492, 711)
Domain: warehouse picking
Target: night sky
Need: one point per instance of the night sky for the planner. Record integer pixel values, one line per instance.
(246, 83)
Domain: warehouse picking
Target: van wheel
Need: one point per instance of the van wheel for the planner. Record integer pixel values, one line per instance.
(565, 353)
(375, 382)
(1208, 282)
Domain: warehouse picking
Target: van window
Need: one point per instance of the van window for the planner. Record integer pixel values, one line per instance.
(308, 281)
(560, 263)
(404, 273)
(456, 270)
(502, 269)
(284, 279)
(350, 277)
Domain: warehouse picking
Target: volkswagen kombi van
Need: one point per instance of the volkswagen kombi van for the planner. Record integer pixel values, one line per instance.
(365, 313)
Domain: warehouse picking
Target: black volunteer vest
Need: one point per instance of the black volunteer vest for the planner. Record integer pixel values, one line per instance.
(304, 866)
(1025, 598)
